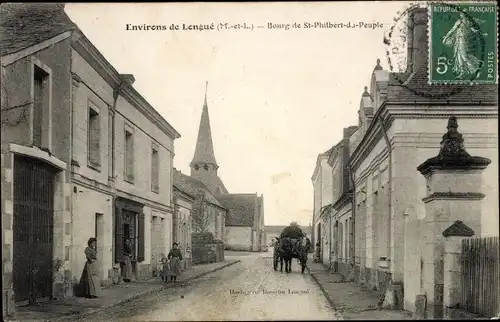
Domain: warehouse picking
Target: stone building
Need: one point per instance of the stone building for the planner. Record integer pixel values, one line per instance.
(36, 153)
(102, 153)
(341, 219)
(398, 130)
(208, 215)
(322, 185)
(244, 222)
(183, 222)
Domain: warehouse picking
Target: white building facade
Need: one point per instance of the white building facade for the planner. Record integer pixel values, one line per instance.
(121, 168)
(322, 185)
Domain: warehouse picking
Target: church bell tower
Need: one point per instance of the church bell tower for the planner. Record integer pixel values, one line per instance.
(204, 166)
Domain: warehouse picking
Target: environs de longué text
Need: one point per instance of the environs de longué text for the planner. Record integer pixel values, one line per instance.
(248, 26)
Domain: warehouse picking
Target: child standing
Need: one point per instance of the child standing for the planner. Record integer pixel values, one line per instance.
(175, 257)
(164, 268)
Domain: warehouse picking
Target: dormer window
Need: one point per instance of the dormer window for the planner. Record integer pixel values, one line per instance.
(196, 167)
(205, 167)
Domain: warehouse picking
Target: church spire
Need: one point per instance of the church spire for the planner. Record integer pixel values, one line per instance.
(204, 152)
(206, 90)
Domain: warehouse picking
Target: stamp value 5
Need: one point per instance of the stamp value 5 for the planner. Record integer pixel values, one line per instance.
(463, 43)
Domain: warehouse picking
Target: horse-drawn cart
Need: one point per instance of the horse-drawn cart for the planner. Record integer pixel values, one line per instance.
(289, 250)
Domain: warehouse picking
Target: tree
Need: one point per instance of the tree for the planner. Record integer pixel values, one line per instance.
(202, 217)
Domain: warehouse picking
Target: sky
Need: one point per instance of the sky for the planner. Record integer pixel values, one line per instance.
(276, 98)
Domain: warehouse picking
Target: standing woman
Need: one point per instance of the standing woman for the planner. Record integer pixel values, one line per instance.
(127, 267)
(90, 276)
(175, 258)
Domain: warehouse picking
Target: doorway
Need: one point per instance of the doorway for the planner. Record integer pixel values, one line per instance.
(320, 239)
(33, 224)
(129, 232)
(99, 235)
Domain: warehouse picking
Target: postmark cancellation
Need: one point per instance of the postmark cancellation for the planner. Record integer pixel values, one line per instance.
(463, 39)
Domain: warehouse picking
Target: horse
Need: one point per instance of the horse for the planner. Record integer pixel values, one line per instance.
(277, 255)
(303, 250)
(293, 248)
(286, 253)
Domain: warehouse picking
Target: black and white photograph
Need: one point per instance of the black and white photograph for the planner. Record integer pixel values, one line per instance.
(249, 161)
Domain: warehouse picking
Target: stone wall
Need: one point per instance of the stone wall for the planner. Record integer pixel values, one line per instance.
(207, 253)
(206, 249)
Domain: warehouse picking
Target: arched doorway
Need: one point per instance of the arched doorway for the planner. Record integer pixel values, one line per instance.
(33, 229)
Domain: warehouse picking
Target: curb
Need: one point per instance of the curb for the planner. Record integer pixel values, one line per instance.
(325, 293)
(81, 315)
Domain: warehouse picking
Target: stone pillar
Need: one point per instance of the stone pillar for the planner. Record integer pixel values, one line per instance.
(452, 265)
(453, 193)
(7, 173)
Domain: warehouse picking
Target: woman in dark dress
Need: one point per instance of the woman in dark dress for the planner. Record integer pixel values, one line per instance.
(175, 257)
(90, 279)
(127, 267)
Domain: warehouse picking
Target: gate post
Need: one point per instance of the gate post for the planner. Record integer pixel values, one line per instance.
(454, 186)
(7, 197)
(452, 265)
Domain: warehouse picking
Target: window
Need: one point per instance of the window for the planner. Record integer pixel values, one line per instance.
(155, 173)
(40, 103)
(94, 137)
(129, 157)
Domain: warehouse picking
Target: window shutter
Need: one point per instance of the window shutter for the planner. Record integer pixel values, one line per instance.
(118, 235)
(140, 239)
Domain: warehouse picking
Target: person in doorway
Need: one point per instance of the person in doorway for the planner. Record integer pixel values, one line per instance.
(90, 279)
(127, 261)
(318, 252)
(175, 257)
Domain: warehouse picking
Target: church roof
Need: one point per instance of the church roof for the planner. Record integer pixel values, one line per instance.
(242, 206)
(194, 187)
(204, 151)
(26, 24)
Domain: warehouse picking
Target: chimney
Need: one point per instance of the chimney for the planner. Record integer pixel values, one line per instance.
(129, 78)
(417, 40)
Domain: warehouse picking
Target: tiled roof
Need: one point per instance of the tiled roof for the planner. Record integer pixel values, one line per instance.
(419, 83)
(242, 206)
(193, 187)
(23, 25)
(184, 191)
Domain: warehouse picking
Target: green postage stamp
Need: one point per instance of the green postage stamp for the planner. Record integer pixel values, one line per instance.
(463, 43)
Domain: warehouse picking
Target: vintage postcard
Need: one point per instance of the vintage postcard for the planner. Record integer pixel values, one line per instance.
(238, 161)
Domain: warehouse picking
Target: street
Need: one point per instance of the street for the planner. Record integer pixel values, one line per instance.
(250, 290)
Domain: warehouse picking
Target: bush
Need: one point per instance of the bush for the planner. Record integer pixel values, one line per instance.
(202, 238)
